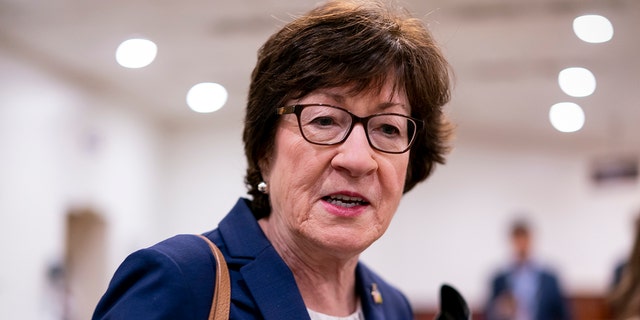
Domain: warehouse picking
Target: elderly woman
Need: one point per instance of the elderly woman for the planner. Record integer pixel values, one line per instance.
(344, 116)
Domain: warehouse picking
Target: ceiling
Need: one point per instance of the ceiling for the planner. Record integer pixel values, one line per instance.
(506, 56)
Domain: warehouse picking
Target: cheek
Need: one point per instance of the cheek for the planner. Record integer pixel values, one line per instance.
(293, 162)
(295, 168)
(395, 182)
(396, 174)
(392, 177)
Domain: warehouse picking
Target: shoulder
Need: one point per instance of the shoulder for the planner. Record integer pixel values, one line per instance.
(170, 279)
(500, 276)
(182, 249)
(186, 258)
(547, 272)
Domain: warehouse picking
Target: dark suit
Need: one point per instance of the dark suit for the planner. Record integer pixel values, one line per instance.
(617, 274)
(549, 303)
(174, 279)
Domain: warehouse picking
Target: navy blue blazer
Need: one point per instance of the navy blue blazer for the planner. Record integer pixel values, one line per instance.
(174, 279)
(550, 301)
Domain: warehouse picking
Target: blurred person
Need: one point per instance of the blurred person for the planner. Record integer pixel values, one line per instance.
(617, 274)
(525, 290)
(344, 116)
(624, 298)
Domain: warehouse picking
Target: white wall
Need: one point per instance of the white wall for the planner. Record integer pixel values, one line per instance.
(203, 175)
(32, 119)
(63, 148)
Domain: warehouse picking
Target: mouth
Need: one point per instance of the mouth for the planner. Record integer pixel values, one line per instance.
(345, 201)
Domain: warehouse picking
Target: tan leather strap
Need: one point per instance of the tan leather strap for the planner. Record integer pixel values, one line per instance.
(222, 290)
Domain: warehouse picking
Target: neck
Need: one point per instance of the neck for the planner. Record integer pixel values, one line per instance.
(334, 295)
(327, 283)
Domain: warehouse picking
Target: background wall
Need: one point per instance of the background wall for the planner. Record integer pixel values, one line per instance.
(65, 151)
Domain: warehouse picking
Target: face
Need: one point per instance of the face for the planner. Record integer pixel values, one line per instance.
(335, 199)
(521, 246)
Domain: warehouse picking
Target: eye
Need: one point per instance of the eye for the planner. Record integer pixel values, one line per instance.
(388, 126)
(389, 130)
(323, 121)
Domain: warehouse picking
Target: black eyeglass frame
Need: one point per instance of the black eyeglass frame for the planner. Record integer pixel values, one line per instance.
(297, 110)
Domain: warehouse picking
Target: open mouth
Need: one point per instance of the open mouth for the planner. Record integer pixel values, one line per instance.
(345, 201)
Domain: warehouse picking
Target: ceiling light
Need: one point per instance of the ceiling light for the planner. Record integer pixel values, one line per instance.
(593, 28)
(206, 97)
(577, 82)
(566, 117)
(136, 53)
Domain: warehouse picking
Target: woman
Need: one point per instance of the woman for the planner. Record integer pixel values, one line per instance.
(344, 116)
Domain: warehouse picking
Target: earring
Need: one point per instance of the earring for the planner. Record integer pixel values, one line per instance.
(262, 187)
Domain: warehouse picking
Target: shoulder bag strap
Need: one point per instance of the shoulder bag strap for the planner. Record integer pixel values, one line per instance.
(222, 290)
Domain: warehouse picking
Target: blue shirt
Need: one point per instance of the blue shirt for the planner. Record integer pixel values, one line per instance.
(524, 286)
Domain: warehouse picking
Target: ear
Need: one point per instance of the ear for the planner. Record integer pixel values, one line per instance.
(265, 167)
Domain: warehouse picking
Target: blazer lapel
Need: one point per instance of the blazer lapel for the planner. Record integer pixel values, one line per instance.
(273, 287)
(370, 297)
(268, 278)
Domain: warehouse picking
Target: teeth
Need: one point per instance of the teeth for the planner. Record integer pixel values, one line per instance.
(345, 201)
(346, 198)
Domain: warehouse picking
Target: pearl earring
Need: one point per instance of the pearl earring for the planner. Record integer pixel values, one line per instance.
(262, 187)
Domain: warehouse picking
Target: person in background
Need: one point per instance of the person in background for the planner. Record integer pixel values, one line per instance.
(344, 116)
(525, 290)
(624, 297)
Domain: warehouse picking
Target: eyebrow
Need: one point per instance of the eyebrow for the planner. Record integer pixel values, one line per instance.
(387, 105)
(340, 99)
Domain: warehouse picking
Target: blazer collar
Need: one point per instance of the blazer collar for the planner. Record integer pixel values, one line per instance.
(273, 286)
(269, 279)
(241, 233)
(369, 292)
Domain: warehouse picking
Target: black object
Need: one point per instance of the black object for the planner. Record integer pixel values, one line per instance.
(452, 305)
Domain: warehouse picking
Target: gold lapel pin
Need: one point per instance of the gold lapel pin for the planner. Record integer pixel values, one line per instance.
(375, 294)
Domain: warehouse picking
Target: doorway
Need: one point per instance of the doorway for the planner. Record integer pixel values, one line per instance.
(84, 262)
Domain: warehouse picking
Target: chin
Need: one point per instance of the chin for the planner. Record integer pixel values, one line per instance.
(349, 243)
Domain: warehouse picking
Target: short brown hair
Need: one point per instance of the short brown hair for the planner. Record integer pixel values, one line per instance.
(348, 43)
(520, 228)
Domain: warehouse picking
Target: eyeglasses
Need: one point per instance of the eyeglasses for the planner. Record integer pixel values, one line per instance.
(325, 124)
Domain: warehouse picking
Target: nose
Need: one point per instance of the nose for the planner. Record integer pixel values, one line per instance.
(355, 155)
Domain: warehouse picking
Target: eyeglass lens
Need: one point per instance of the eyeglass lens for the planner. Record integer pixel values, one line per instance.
(331, 125)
